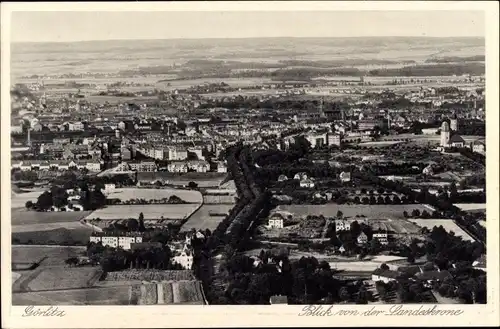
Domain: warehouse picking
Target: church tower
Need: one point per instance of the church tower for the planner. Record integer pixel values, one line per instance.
(445, 134)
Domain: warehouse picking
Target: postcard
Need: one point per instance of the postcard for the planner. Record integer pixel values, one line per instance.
(196, 164)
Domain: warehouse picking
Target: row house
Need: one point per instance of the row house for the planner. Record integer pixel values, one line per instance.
(185, 166)
(49, 165)
(142, 166)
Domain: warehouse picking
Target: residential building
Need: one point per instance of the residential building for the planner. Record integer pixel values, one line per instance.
(345, 176)
(185, 259)
(307, 183)
(362, 238)
(381, 237)
(342, 225)
(124, 240)
(221, 167)
(275, 222)
(334, 139)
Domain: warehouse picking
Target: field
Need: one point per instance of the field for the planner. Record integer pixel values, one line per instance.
(49, 256)
(379, 144)
(167, 211)
(62, 236)
(25, 217)
(350, 211)
(201, 219)
(447, 224)
(91, 296)
(471, 206)
(60, 277)
(125, 194)
(18, 200)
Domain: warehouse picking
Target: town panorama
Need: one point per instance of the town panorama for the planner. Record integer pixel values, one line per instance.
(249, 171)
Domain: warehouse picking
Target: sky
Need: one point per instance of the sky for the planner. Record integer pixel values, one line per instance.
(47, 26)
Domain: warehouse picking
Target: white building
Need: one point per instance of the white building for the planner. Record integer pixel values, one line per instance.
(307, 183)
(381, 237)
(185, 258)
(342, 225)
(333, 139)
(109, 188)
(115, 241)
(275, 223)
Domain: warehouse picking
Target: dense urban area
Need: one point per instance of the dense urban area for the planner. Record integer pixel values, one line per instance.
(230, 181)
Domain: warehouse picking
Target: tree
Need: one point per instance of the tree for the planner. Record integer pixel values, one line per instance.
(44, 201)
(340, 214)
(384, 266)
(141, 228)
(29, 205)
(192, 185)
(405, 214)
(415, 213)
(344, 294)
(132, 225)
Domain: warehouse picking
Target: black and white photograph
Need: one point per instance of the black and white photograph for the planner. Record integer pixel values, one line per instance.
(328, 157)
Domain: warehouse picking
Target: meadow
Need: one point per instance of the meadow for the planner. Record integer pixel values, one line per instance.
(167, 211)
(448, 224)
(48, 256)
(125, 194)
(62, 277)
(202, 220)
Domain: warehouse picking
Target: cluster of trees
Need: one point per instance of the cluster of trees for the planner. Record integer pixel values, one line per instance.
(405, 168)
(117, 259)
(441, 69)
(173, 199)
(305, 281)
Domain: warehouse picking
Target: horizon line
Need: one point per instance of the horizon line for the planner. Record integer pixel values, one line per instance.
(272, 37)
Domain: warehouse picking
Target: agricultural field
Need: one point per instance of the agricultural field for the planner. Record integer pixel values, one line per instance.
(60, 277)
(18, 200)
(91, 296)
(25, 217)
(201, 219)
(125, 194)
(46, 255)
(350, 211)
(167, 211)
(448, 224)
(471, 206)
(60, 236)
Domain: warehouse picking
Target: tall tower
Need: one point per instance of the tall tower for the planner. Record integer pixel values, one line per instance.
(454, 122)
(28, 139)
(321, 111)
(445, 134)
